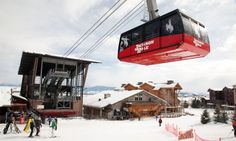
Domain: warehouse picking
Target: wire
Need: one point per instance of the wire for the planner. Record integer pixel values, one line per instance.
(90, 28)
(114, 28)
(93, 28)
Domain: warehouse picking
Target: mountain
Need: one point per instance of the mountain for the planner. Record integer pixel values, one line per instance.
(97, 89)
(192, 94)
(9, 84)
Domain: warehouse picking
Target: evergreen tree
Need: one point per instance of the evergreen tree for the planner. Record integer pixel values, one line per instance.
(196, 103)
(205, 118)
(224, 117)
(186, 104)
(217, 114)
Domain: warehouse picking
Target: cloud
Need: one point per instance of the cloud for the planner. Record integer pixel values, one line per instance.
(53, 26)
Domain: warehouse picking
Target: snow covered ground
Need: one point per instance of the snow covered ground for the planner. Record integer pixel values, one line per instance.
(145, 130)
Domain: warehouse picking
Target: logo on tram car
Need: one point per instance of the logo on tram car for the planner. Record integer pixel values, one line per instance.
(169, 26)
(143, 46)
(197, 43)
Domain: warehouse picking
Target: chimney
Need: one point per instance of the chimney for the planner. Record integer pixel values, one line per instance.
(107, 95)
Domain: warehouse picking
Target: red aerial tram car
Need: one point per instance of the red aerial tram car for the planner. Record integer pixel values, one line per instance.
(168, 38)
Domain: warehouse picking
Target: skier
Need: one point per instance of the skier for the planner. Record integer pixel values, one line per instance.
(38, 125)
(53, 126)
(49, 120)
(160, 121)
(9, 117)
(17, 130)
(156, 117)
(234, 125)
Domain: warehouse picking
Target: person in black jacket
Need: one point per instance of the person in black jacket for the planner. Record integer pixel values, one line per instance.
(160, 121)
(9, 117)
(38, 125)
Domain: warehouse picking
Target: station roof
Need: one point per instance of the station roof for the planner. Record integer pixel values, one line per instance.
(27, 60)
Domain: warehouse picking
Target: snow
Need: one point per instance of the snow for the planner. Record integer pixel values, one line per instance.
(98, 100)
(62, 56)
(5, 96)
(146, 129)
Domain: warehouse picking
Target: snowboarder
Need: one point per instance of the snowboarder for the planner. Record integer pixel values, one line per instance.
(38, 125)
(53, 126)
(32, 125)
(9, 120)
(160, 121)
(234, 125)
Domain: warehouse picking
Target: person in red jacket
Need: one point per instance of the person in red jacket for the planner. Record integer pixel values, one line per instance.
(234, 125)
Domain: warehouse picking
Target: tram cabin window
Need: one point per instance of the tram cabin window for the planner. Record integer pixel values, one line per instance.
(204, 34)
(171, 25)
(125, 41)
(137, 36)
(187, 25)
(196, 30)
(152, 30)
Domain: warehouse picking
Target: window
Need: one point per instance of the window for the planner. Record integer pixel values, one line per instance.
(171, 25)
(187, 25)
(204, 34)
(125, 41)
(196, 30)
(136, 36)
(138, 97)
(152, 30)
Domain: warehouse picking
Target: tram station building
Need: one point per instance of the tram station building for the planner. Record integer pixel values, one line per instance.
(53, 84)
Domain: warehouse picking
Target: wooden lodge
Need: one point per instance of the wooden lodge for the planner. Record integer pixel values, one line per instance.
(144, 99)
(53, 84)
(122, 104)
(167, 91)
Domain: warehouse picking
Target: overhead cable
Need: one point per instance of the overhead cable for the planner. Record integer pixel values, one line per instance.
(94, 27)
(113, 29)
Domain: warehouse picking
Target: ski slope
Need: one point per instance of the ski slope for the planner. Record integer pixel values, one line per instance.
(146, 129)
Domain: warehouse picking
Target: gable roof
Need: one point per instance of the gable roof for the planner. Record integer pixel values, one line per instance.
(173, 85)
(98, 100)
(28, 58)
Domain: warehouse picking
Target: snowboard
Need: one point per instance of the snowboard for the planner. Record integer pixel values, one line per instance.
(27, 126)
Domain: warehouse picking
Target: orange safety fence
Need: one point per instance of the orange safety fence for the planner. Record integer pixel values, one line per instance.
(172, 129)
(198, 138)
(186, 134)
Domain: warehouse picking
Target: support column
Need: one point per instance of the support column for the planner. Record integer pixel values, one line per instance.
(100, 113)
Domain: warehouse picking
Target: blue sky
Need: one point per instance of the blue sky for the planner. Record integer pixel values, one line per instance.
(53, 26)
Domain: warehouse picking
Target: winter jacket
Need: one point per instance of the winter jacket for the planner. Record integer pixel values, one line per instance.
(32, 124)
(234, 122)
(38, 123)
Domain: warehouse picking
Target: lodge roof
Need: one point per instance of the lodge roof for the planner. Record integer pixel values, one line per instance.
(27, 60)
(98, 100)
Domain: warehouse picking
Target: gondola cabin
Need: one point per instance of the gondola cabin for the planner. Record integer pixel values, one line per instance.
(168, 38)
